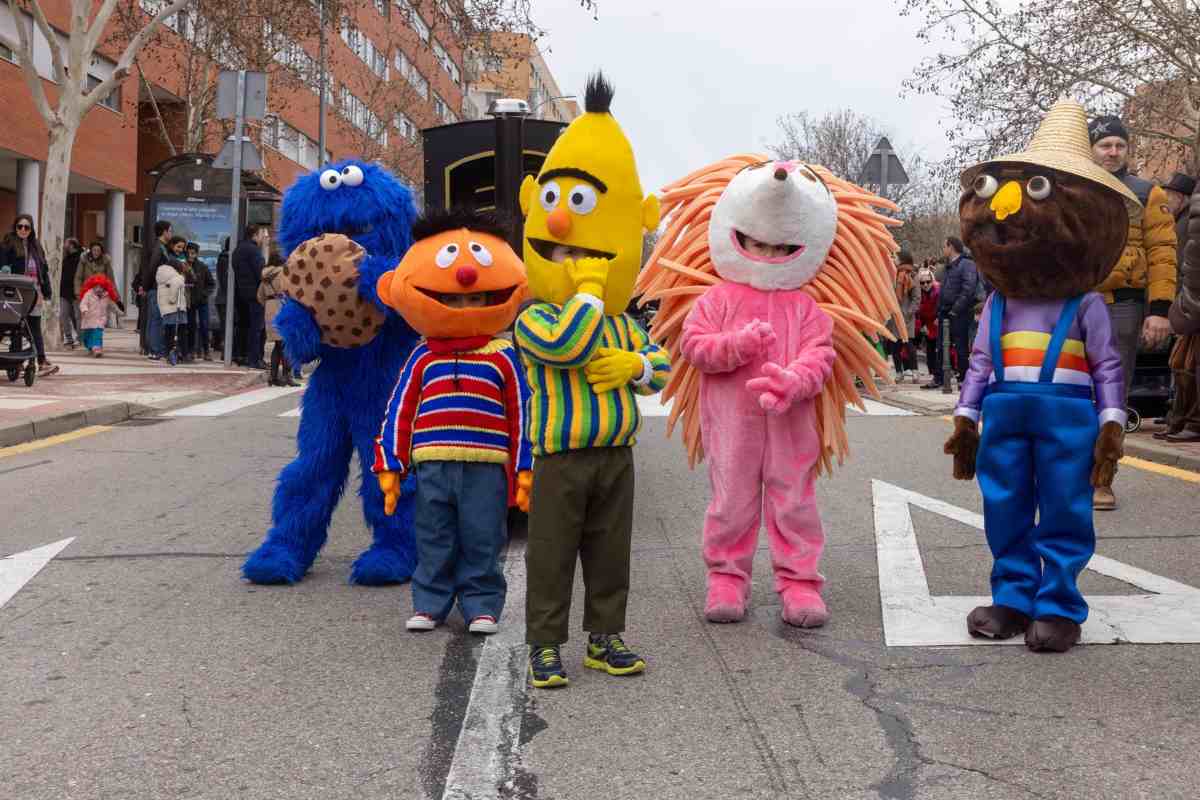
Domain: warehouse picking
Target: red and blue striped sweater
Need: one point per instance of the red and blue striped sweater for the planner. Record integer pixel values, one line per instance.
(457, 406)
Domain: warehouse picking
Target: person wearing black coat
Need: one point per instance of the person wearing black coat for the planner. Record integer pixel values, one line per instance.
(957, 304)
(22, 254)
(248, 264)
(68, 302)
(222, 278)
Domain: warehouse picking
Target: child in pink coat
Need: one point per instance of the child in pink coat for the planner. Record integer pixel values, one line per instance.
(95, 296)
(764, 350)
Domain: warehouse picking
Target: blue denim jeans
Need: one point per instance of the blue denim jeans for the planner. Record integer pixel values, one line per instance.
(154, 325)
(461, 520)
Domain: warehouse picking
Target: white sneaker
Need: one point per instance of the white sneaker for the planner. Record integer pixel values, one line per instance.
(484, 624)
(421, 622)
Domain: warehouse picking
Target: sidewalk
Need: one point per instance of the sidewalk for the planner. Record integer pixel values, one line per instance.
(1141, 445)
(104, 391)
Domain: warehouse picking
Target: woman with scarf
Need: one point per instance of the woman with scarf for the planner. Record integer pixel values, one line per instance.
(22, 254)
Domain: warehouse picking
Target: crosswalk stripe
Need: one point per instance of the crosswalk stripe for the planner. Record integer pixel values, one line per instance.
(295, 412)
(877, 409)
(236, 402)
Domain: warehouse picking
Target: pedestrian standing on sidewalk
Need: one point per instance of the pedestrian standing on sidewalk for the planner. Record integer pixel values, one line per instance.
(249, 260)
(98, 293)
(202, 286)
(270, 295)
(178, 250)
(146, 287)
(94, 262)
(927, 321)
(68, 293)
(1138, 293)
(22, 254)
(956, 306)
(908, 295)
(172, 302)
(1184, 425)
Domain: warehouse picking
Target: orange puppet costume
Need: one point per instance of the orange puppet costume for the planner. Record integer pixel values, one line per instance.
(769, 273)
(457, 415)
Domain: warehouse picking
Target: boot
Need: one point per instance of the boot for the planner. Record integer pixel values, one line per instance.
(1052, 635)
(1103, 499)
(802, 605)
(726, 601)
(996, 622)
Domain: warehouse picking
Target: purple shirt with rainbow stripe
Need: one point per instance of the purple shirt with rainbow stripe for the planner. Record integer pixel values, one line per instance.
(1089, 356)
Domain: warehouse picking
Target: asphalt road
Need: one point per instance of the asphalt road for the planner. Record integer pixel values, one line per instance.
(137, 664)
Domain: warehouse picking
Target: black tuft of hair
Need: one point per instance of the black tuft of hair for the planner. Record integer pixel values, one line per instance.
(599, 95)
(440, 220)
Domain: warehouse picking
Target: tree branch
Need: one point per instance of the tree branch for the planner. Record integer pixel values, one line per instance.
(28, 69)
(109, 84)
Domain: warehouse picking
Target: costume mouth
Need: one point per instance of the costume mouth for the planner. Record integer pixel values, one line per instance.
(559, 252)
(739, 242)
(466, 300)
(998, 234)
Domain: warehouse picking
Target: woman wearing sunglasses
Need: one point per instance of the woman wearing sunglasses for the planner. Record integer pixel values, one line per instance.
(22, 254)
(927, 320)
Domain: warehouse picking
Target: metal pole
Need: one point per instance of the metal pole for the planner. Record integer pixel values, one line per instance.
(321, 101)
(948, 374)
(509, 163)
(883, 165)
(235, 212)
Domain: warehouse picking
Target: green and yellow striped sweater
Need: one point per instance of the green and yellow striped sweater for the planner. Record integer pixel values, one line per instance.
(556, 343)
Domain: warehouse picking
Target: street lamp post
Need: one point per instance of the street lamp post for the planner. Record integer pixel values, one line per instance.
(321, 101)
(533, 113)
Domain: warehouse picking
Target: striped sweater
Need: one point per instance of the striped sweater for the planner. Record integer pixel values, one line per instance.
(556, 343)
(457, 406)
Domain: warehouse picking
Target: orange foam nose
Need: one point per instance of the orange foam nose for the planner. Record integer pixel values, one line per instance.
(466, 276)
(559, 223)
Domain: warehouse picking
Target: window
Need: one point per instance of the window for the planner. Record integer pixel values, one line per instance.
(382, 7)
(410, 73)
(360, 116)
(447, 63)
(365, 49)
(113, 101)
(406, 127)
(442, 110)
(451, 16)
(6, 53)
(291, 143)
(410, 15)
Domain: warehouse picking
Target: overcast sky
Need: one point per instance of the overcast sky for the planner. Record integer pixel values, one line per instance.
(698, 80)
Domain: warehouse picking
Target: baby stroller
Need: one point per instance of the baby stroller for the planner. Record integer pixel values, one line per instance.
(1150, 392)
(18, 294)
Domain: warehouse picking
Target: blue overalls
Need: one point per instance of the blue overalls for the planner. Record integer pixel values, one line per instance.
(1034, 467)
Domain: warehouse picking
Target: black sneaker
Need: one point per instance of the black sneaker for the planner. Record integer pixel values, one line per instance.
(933, 385)
(607, 652)
(545, 667)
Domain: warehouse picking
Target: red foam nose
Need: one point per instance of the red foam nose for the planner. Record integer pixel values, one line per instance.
(466, 276)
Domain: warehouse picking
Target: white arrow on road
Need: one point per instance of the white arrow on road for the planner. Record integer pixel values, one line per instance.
(19, 568)
(1168, 614)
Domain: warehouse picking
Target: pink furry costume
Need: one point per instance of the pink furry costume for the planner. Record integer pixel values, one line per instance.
(766, 336)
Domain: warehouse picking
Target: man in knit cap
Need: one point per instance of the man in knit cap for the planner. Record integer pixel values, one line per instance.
(1140, 290)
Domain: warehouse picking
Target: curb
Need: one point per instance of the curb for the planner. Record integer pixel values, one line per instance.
(106, 414)
(1162, 455)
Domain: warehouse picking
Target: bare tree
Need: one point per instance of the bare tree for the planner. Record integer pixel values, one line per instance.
(70, 57)
(843, 140)
(1012, 61)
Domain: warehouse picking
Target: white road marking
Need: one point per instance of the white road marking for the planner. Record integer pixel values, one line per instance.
(877, 409)
(295, 412)
(21, 403)
(487, 743)
(653, 406)
(235, 402)
(19, 568)
(914, 618)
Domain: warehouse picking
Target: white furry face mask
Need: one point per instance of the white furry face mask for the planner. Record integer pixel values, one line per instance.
(782, 204)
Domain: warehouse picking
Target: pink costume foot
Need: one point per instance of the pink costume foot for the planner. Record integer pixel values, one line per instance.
(803, 606)
(726, 601)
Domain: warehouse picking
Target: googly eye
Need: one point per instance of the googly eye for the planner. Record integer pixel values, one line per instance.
(352, 175)
(446, 256)
(1039, 187)
(985, 186)
(481, 253)
(550, 196)
(331, 179)
(582, 199)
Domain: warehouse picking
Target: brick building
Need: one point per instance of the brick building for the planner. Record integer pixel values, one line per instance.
(393, 67)
(518, 70)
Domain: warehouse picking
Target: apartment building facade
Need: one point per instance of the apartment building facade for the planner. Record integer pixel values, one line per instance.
(393, 67)
(515, 68)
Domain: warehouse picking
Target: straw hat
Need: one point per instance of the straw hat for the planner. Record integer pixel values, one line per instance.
(1061, 143)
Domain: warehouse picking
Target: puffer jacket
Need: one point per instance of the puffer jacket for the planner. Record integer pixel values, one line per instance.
(172, 290)
(1147, 268)
(1185, 313)
(270, 296)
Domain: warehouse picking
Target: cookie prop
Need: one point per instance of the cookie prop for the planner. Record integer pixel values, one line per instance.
(322, 275)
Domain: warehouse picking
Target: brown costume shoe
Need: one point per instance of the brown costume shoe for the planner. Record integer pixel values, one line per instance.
(996, 622)
(1052, 635)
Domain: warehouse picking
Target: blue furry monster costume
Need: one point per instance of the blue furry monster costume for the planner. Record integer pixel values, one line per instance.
(348, 392)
